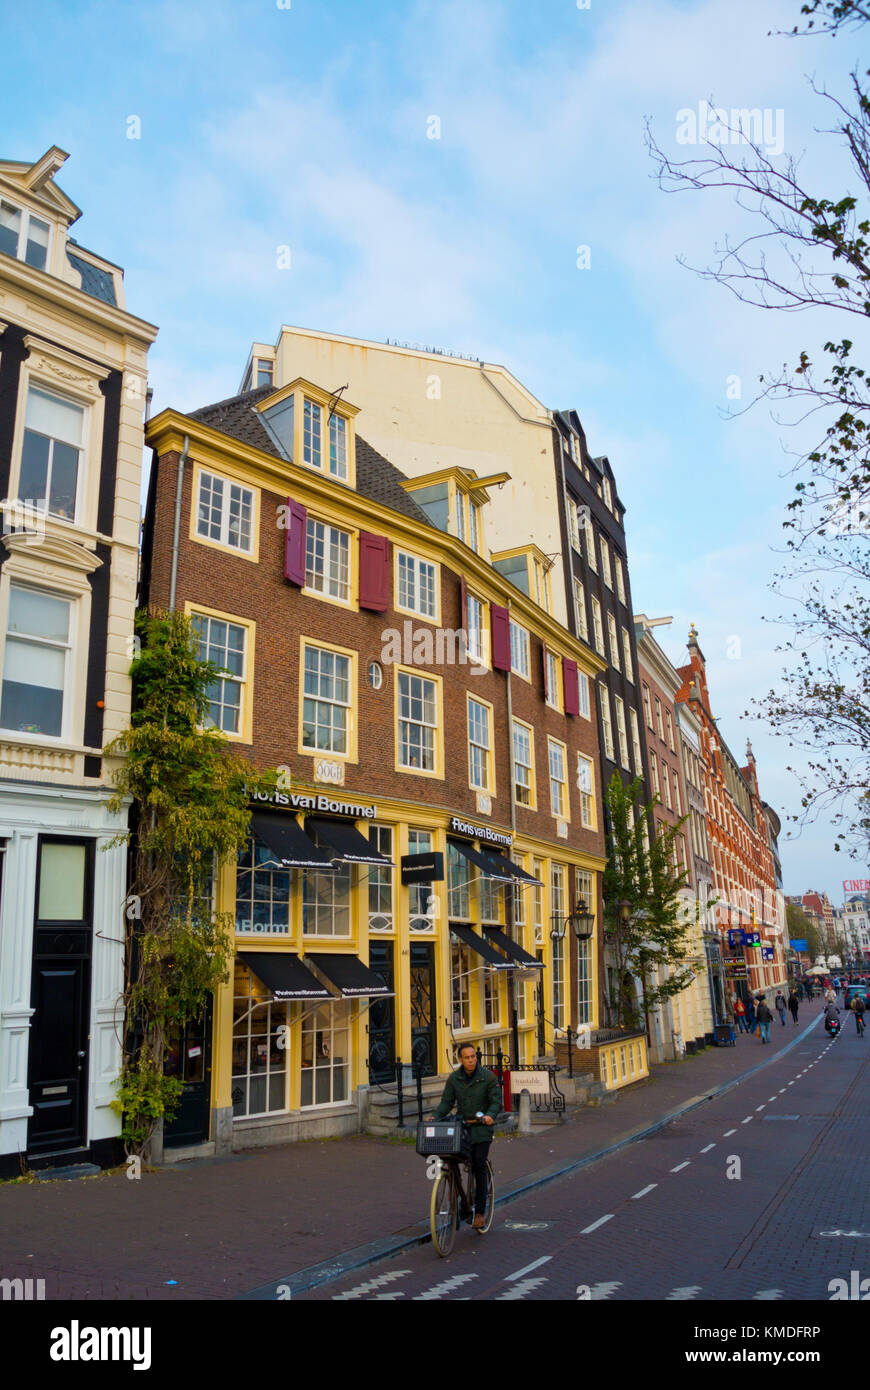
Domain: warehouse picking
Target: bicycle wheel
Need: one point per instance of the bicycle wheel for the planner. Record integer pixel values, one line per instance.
(490, 1200)
(443, 1214)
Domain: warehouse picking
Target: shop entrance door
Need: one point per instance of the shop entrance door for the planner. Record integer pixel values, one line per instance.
(382, 1017)
(188, 1056)
(423, 1007)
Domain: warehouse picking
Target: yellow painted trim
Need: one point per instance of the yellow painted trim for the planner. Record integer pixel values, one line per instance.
(533, 804)
(246, 731)
(251, 555)
(438, 770)
(566, 815)
(490, 753)
(399, 549)
(352, 754)
(257, 469)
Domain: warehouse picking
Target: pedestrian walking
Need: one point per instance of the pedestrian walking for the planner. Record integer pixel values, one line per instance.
(793, 1005)
(765, 1018)
(781, 1006)
(750, 1016)
(830, 996)
(740, 1014)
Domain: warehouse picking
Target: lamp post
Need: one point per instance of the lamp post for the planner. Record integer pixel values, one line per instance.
(582, 923)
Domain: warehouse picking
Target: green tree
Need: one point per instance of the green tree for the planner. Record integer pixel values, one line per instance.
(808, 247)
(190, 795)
(645, 926)
(803, 928)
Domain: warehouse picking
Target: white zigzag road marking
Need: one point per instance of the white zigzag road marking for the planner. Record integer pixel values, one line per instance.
(370, 1285)
(683, 1295)
(446, 1286)
(599, 1292)
(520, 1290)
(768, 1295)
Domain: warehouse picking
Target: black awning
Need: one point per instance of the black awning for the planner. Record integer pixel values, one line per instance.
(284, 974)
(502, 867)
(514, 949)
(288, 842)
(481, 861)
(349, 975)
(350, 846)
(483, 948)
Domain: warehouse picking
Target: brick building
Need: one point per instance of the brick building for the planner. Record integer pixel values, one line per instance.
(750, 911)
(439, 821)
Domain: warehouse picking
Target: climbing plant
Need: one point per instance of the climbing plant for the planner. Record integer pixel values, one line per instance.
(190, 794)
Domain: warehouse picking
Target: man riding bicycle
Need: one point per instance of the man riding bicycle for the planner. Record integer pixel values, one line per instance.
(475, 1092)
(858, 1008)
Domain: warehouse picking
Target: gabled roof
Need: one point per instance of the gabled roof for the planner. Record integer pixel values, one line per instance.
(376, 477)
(37, 181)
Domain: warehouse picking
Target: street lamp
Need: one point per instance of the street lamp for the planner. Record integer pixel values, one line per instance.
(581, 922)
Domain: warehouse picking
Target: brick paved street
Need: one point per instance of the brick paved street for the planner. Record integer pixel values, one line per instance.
(663, 1219)
(223, 1227)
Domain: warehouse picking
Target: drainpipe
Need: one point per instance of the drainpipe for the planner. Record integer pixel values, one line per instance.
(515, 1025)
(176, 529)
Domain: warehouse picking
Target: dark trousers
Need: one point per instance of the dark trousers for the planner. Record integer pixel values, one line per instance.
(794, 1012)
(479, 1155)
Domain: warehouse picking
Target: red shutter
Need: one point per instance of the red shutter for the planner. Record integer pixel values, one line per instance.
(294, 543)
(501, 637)
(374, 572)
(544, 664)
(572, 686)
(463, 603)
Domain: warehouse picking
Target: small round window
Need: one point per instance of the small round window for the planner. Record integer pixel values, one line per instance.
(376, 676)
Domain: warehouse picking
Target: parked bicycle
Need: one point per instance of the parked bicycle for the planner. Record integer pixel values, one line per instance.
(452, 1200)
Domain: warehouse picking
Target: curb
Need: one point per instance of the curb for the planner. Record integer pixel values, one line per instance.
(361, 1255)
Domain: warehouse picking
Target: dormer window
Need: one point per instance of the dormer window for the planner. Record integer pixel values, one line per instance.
(529, 569)
(265, 371)
(23, 235)
(309, 426)
(453, 499)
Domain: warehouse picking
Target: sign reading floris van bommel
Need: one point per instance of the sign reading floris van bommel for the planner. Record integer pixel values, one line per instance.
(481, 832)
(311, 801)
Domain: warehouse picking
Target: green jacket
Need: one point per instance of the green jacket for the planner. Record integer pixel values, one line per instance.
(479, 1091)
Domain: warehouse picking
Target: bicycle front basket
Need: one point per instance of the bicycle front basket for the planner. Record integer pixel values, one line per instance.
(440, 1137)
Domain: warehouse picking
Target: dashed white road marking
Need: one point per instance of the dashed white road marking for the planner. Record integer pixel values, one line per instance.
(708, 1148)
(644, 1190)
(599, 1292)
(370, 1285)
(520, 1290)
(728, 1133)
(747, 1120)
(527, 1269)
(683, 1295)
(587, 1230)
(681, 1165)
(760, 1107)
(446, 1286)
(770, 1098)
(781, 1090)
(791, 1083)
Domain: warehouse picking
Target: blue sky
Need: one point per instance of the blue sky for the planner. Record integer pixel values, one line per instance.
(306, 126)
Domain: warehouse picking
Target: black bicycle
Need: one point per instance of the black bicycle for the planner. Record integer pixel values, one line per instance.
(452, 1198)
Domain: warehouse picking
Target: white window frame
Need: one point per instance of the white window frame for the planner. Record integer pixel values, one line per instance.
(478, 750)
(347, 705)
(477, 633)
(562, 811)
(635, 741)
(606, 571)
(554, 681)
(597, 625)
(225, 508)
(580, 618)
(26, 214)
(591, 557)
(228, 678)
(622, 732)
(521, 663)
(606, 722)
(403, 676)
(68, 689)
(418, 578)
(528, 731)
(613, 642)
(586, 788)
(330, 548)
(583, 695)
(620, 578)
(628, 665)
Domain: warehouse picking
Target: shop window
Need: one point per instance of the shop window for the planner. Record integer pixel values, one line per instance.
(262, 891)
(421, 898)
(460, 972)
(325, 1056)
(381, 881)
(259, 1061)
(538, 900)
(491, 1000)
(491, 901)
(326, 898)
(458, 888)
(559, 984)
